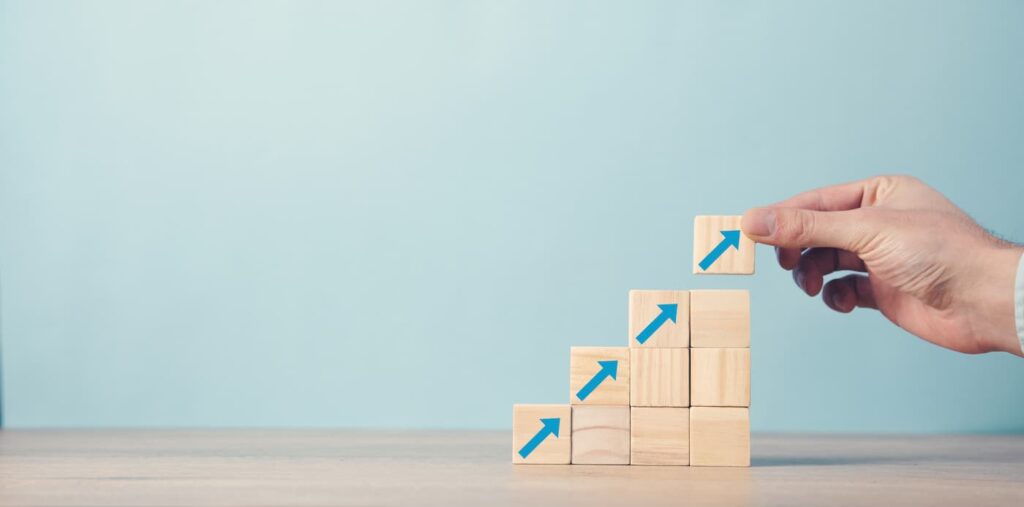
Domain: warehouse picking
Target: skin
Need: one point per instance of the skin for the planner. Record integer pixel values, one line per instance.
(916, 257)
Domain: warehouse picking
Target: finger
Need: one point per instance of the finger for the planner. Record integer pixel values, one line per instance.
(799, 228)
(842, 197)
(817, 263)
(849, 292)
(788, 257)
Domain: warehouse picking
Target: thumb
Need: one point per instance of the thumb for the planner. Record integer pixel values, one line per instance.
(801, 228)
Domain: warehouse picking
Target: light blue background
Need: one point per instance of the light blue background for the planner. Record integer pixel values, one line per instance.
(402, 214)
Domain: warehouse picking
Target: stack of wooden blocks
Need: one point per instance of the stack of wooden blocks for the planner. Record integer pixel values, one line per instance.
(679, 394)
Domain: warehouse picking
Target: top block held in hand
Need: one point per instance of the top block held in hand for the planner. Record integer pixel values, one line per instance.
(719, 247)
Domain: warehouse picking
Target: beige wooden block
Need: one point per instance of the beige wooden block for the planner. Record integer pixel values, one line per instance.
(720, 377)
(720, 436)
(599, 376)
(737, 255)
(719, 318)
(541, 434)
(659, 377)
(600, 435)
(659, 318)
(659, 436)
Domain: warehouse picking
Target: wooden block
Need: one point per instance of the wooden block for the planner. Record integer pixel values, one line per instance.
(599, 376)
(659, 436)
(718, 241)
(659, 377)
(719, 318)
(720, 436)
(720, 377)
(600, 435)
(541, 434)
(659, 318)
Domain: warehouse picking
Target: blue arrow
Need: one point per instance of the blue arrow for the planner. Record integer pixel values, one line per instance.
(729, 239)
(608, 369)
(667, 312)
(550, 428)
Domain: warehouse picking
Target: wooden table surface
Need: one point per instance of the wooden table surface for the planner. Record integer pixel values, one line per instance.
(297, 467)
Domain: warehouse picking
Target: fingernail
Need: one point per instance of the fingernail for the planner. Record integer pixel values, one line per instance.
(798, 277)
(759, 222)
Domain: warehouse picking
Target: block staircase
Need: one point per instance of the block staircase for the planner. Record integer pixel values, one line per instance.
(678, 394)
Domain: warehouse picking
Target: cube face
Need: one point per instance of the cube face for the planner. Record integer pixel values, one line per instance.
(659, 377)
(720, 377)
(719, 436)
(720, 248)
(659, 318)
(541, 434)
(719, 318)
(659, 436)
(599, 376)
(600, 435)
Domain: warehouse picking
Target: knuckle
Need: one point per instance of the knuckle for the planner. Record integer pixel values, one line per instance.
(879, 187)
(798, 227)
(887, 183)
(805, 226)
(906, 179)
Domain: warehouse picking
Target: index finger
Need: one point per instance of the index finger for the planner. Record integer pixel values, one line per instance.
(842, 197)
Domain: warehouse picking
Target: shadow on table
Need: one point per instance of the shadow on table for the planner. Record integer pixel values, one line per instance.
(796, 461)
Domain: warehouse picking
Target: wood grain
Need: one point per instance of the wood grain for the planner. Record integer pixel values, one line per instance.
(583, 365)
(643, 308)
(659, 436)
(526, 423)
(707, 234)
(720, 377)
(659, 377)
(719, 436)
(719, 318)
(214, 468)
(600, 435)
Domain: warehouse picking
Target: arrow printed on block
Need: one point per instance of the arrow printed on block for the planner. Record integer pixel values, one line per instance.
(668, 312)
(608, 369)
(729, 239)
(550, 428)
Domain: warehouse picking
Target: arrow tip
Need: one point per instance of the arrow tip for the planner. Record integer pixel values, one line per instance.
(552, 424)
(732, 238)
(670, 311)
(612, 367)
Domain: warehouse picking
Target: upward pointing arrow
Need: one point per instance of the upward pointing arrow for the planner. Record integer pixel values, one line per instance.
(550, 428)
(729, 239)
(608, 369)
(668, 312)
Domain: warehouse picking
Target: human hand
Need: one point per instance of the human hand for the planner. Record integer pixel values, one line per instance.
(930, 268)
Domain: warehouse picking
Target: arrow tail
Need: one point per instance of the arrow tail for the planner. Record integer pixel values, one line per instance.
(713, 255)
(651, 328)
(534, 442)
(591, 385)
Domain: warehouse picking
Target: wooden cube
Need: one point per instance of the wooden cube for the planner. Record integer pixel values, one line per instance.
(659, 318)
(720, 377)
(719, 247)
(719, 318)
(600, 435)
(599, 376)
(659, 377)
(659, 436)
(720, 436)
(541, 434)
